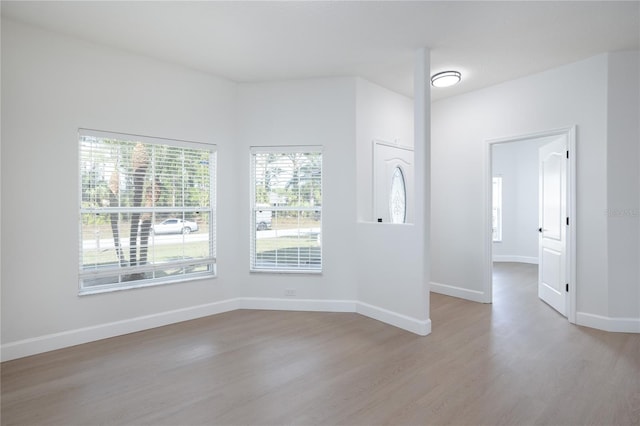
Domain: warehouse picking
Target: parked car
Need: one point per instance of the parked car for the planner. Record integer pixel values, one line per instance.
(263, 220)
(174, 226)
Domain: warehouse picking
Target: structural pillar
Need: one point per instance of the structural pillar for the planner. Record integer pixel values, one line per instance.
(422, 150)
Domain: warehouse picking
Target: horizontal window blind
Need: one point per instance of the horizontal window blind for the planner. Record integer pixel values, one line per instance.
(286, 209)
(147, 211)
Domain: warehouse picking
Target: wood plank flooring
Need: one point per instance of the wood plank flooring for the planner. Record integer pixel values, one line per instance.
(516, 362)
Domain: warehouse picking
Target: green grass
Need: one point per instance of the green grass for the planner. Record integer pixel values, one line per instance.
(159, 253)
(288, 250)
(281, 222)
(270, 244)
(282, 247)
(103, 231)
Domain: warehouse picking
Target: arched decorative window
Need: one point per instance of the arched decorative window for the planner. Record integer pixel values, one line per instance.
(398, 197)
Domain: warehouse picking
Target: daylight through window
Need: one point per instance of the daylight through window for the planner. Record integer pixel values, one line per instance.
(147, 211)
(497, 209)
(286, 209)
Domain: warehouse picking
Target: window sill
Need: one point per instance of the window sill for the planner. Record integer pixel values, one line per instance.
(133, 286)
(286, 272)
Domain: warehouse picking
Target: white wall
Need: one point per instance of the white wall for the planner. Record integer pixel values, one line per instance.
(571, 95)
(623, 190)
(575, 94)
(517, 163)
(304, 112)
(382, 115)
(374, 269)
(51, 86)
(390, 257)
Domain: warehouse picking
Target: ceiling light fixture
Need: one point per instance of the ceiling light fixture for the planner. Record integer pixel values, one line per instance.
(445, 78)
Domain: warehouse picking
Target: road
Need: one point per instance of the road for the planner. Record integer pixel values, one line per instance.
(107, 243)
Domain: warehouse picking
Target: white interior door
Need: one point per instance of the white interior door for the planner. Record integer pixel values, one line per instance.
(392, 183)
(552, 271)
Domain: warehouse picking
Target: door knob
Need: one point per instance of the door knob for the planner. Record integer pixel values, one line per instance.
(539, 229)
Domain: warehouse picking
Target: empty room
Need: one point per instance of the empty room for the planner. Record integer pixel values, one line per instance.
(326, 212)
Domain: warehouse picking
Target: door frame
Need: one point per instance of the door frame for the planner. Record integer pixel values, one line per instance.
(570, 134)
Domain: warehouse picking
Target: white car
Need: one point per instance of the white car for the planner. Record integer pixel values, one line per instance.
(263, 220)
(175, 226)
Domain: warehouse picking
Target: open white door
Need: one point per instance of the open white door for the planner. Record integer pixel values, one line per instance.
(392, 183)
(552, 250)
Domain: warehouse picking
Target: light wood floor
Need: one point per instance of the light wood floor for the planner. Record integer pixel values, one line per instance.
(515, 362)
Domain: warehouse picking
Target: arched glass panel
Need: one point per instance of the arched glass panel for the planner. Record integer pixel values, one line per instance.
(398, 197)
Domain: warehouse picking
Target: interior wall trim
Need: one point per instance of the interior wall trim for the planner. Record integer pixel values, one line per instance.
(512, 258)
(462, 293)
(614, 324)
(292, 304)
(414, 325)
(50, 342)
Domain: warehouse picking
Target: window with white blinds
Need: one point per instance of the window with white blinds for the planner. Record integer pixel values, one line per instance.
(286, 209)
(147, 211)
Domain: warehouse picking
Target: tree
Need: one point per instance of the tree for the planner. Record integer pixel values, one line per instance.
(152, 195)
(140, 162)
(114, 190)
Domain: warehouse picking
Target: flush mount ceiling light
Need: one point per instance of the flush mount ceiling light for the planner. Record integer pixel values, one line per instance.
(445, 78)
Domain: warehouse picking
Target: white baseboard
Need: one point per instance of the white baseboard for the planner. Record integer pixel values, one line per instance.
(404, 322)
(420, 327)
(69, 338)
(462, 293)
(313, 305)
(518, 259)
(615, 324)
(78, 336)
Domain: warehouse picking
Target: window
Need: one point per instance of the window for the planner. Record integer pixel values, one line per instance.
(147, 211)
(286, 209)
(398, 197)
(497, 209)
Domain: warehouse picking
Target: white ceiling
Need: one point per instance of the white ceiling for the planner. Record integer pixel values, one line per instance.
(489, 42)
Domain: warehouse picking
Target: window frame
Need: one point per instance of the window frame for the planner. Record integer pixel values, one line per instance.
(86, 273)
(254, 208)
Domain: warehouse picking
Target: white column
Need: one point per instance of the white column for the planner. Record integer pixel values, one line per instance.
(422, 149)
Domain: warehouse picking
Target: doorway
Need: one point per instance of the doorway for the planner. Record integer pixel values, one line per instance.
(530, 212)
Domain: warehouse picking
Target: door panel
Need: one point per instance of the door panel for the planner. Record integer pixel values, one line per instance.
(551, 275)
(392, 183)
(552, 195)
(552, 233)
